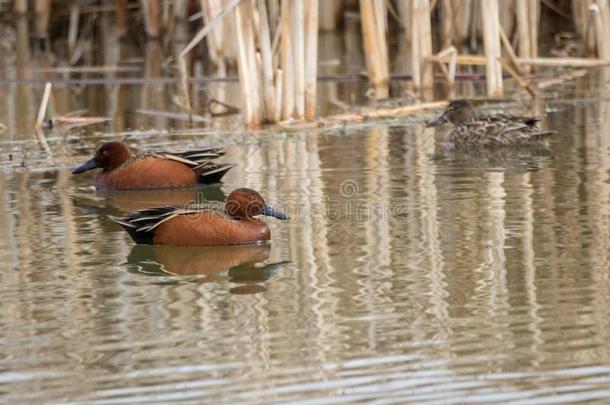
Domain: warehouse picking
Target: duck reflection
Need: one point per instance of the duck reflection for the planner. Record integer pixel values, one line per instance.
(243, 264)
(134, 200)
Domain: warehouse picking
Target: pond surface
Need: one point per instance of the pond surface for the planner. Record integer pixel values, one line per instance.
(406, 273)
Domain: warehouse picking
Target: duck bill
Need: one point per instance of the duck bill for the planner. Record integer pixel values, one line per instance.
(270, 212)
(438, 121)
(88, 165)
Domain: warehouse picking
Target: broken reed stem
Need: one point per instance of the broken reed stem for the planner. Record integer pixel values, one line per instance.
(311, 57)
(374, 114)
(540, 61)
(184, 82)
(43, 140)
(44, 103)
(601, 19)
(208, 27)
(543, 84)
(182, 68)
(372, 14)
(517, 78)
(449, 71)
(510, 51)
(571, 62)
(604, 8)
(491, 41)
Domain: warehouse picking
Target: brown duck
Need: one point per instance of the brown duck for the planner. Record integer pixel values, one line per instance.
(473, 130)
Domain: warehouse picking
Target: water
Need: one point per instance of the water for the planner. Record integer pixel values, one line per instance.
(406, 273)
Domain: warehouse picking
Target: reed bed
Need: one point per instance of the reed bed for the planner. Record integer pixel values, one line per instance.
(273, 44)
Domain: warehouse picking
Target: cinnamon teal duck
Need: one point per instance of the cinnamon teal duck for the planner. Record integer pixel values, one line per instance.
(212, 223)
(123, 170)
(472, 129)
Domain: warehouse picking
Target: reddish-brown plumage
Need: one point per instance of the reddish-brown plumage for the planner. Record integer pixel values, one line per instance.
(206, 224)
(149, 172)
(122, 171)
(210, 228)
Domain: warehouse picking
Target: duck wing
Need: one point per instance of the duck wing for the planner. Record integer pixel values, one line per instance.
(191, 158)
(531, 121)
(200, 161)
(513, 132)
(141, 224)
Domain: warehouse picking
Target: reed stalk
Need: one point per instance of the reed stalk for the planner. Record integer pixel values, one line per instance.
(534, 23)
(298, 54)
(507, 15)
(491, 42)
(524, 49)
(211, 9)
(372, 14)
(44, 105)
(20, 6)
(330, 13)
(287, 63)
(448, 19)
(43, 13)
(151, 17)
(121, 17)
(421, 43)
(73, 27)
(268, 85)
(247, 64)
(279, 79)
(539, 61)
(602, 28)
(311, 58)
(464, 18)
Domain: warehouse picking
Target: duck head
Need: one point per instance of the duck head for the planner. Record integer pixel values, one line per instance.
(108, 157)
(457, 112)
(245, 203)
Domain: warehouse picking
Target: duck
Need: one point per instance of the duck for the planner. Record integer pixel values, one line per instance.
(472, 130)
(123, 170)
(205, 224)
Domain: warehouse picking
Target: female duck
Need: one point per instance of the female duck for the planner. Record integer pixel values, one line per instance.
(471, 130)
(204, 224)
(122, 170)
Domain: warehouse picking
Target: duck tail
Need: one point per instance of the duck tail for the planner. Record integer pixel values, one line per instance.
(137, 236)
(543, 134)
(209, 172)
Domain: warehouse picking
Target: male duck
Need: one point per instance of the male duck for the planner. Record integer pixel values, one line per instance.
(122, 170)
(203, 224)
(471, 129)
